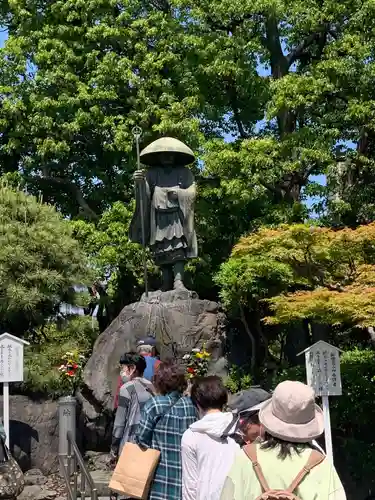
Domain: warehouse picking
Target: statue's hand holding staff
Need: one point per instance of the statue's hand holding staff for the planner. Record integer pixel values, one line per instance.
(139, 176)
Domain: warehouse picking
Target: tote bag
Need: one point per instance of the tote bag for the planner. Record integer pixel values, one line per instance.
(134, 471)
(135, 468)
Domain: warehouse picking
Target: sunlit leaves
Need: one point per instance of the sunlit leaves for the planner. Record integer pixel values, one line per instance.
(304, 272)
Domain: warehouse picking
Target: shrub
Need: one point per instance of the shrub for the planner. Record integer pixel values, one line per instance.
(40, 261)
(42, 360)
(238, 380)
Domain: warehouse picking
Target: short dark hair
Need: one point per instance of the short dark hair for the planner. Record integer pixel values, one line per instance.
(249, 417)
(209, 393)
(169, 377)
(285, 447)
(134, 359)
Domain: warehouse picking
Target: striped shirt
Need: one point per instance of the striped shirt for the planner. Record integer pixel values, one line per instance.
(120, 383)
(133, 396)
(164, 420)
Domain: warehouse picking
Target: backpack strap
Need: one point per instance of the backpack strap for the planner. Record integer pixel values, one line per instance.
(251, 452)
(315, 459)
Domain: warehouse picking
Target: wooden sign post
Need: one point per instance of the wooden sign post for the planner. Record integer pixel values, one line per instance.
(324, 376)
(11, 370)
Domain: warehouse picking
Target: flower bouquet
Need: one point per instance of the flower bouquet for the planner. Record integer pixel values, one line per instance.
(197, 363)
(71, 371)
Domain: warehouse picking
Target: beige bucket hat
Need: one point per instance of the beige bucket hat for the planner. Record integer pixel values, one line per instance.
(291, 414)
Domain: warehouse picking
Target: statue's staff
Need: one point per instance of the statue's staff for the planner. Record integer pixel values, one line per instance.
(137, 132)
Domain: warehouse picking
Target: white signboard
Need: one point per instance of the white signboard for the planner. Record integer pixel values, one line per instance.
(11, 359)
(11, 370)
(323, 375)
(323, 369)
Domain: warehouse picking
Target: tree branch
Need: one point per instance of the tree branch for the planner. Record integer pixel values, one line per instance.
(272, 42)
(162, 5)
(300, 50)
(363, 142)
(74, 189)
(306, 174)
(233, 99)
(270, 187)
(231, 26)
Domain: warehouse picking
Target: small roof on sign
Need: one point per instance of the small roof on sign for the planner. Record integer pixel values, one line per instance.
(14, 338)
(320, 343)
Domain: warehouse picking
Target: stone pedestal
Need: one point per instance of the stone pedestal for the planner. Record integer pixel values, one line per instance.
(179, 320)
(34, 434)
(67, 423)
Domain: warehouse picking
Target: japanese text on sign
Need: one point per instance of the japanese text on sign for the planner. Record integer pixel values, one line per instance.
(323, 370)
(11, 361)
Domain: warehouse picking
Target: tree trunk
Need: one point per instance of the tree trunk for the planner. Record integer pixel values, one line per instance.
(297, 340)
(371, 332)
(251, 337)
(319, 332)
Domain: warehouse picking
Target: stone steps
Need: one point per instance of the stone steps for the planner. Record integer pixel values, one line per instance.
(101, 479)
(39, 487)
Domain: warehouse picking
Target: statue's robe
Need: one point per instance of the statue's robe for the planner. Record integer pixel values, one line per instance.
(168, 213)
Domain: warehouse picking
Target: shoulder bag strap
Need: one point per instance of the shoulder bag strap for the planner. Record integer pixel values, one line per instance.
(227, 430)
(146, 387)
(315, 459)
(251, 452)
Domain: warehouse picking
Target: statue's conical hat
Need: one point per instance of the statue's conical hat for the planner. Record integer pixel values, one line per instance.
(183, 154)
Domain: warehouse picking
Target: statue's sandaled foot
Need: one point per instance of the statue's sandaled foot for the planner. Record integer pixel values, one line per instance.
(179, 285)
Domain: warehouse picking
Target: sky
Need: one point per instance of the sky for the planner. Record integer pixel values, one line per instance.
(3, 36)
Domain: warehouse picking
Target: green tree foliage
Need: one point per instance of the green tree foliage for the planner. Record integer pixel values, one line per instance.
(77, 78)
(298, 273)
(277, 76)
(113, 256)
(39, 261)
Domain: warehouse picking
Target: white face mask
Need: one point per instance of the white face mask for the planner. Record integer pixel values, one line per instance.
(127, 373)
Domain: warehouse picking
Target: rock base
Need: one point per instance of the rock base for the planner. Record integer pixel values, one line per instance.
(179, 321)
(40, 487)
(34, 433)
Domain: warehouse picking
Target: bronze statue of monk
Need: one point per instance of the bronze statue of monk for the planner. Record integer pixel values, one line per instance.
(166, 193)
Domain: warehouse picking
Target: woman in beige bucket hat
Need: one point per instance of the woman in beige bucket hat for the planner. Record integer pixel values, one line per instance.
(291, 421)
(291, 414)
